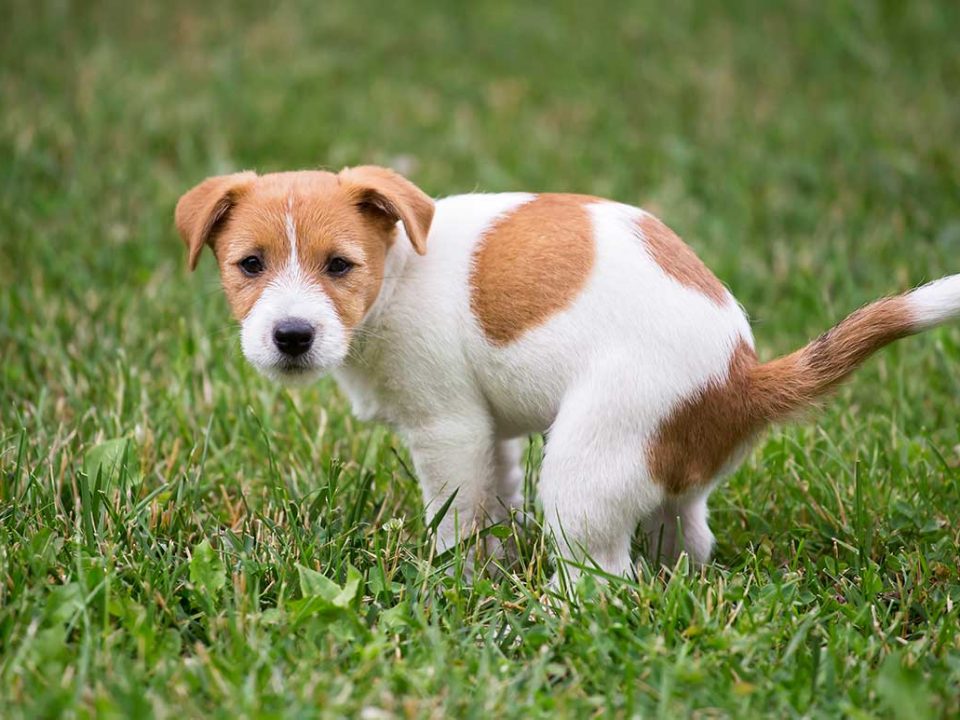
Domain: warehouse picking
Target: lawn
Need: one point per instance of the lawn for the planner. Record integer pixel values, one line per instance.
(180, 538)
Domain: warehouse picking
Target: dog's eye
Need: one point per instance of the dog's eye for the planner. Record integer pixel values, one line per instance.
(338, 266)
(251, 265)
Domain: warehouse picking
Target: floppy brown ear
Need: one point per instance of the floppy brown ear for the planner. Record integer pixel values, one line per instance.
(203, 209)
(391, 197)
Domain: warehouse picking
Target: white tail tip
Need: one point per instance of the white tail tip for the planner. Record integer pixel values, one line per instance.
(936, 302)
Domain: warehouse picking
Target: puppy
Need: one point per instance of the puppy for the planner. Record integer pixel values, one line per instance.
(470, 322)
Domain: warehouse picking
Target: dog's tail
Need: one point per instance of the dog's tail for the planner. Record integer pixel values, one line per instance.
(785, 386)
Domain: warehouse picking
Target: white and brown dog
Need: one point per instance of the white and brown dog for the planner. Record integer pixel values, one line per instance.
(470, 322)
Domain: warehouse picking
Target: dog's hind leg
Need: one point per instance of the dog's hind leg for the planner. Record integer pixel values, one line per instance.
(595, 485)
(507, 495)
(679, 525)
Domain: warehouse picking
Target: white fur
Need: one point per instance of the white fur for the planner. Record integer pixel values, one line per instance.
(598, 376)
(291, 294)
(936, 302)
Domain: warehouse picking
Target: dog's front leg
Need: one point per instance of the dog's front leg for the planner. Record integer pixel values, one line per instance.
(456, 457)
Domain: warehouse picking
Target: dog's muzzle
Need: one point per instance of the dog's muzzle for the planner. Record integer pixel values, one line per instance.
(293, 337)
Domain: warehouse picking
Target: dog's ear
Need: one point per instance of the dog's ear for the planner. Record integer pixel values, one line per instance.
(389, 197)
(202, 211)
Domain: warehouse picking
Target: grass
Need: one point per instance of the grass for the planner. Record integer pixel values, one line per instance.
(179, 538)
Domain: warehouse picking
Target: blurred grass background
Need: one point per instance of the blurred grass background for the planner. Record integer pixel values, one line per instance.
(808, 152)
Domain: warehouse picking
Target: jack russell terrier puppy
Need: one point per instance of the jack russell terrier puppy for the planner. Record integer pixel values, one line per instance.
(470, 322)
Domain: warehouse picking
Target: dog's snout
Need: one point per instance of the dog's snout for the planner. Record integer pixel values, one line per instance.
(293, 337)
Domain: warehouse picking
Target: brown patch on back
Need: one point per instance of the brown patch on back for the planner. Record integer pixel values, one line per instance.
(695, 442)
(677, 259)
(531, 264)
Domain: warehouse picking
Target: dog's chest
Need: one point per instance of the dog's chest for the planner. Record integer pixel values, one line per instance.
(362, 392)
(407, 377)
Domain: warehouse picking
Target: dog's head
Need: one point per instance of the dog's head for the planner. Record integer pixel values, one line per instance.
(302, 255)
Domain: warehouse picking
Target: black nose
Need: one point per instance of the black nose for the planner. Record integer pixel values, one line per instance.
(293, 337)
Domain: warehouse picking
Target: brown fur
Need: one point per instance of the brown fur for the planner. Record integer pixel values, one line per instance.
(677, 259)
(701, 435)
(797, 380)
(704, 433)
(351, 215)
(391, 197)
(530, 265)
(202, 209)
